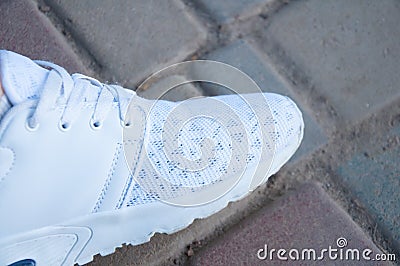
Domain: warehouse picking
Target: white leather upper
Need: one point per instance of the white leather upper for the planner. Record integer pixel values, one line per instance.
(59, 174)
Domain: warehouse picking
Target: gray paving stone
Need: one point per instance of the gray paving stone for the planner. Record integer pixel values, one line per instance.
(227, 11)
(350, 50)
(132, 39)
(242, 55)
(165, 89)
(373, 176)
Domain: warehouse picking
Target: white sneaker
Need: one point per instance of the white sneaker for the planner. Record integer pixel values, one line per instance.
(77, 180)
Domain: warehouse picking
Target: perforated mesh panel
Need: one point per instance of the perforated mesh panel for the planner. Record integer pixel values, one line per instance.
(186, 152)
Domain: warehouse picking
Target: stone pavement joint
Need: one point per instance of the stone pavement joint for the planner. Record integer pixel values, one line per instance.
(227, 11)
(244, 56)
(165, 89)
(24, 29)
(295, 221)
(337, 59)
(132, 39)
(372, 175)
(342, 47)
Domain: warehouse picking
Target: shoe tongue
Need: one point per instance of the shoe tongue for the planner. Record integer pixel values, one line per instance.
(21, 78)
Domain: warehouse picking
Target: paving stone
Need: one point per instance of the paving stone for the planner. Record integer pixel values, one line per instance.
(227, 11)
(132, 39)
(25, 30)
(166, 89)
(242, 55)
(349, 50)
(373, 176)
(305, 219)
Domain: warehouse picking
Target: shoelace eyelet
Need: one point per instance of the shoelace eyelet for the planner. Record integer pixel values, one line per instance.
(126, 124)
(30, 127)
(96, 125)
(64, 126)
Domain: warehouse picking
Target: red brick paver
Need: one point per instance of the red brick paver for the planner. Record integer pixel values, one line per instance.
(307, 218)
(25, 30)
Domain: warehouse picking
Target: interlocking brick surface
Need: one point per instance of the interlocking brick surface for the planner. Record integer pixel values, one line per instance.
(242, 55)
(227, 11)
(24, 29)
(373, 176)
(347, 52)
(350, 50)
(132, 39)
(307, 218)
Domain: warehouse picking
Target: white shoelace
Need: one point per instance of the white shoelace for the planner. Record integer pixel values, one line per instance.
(72, 92)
